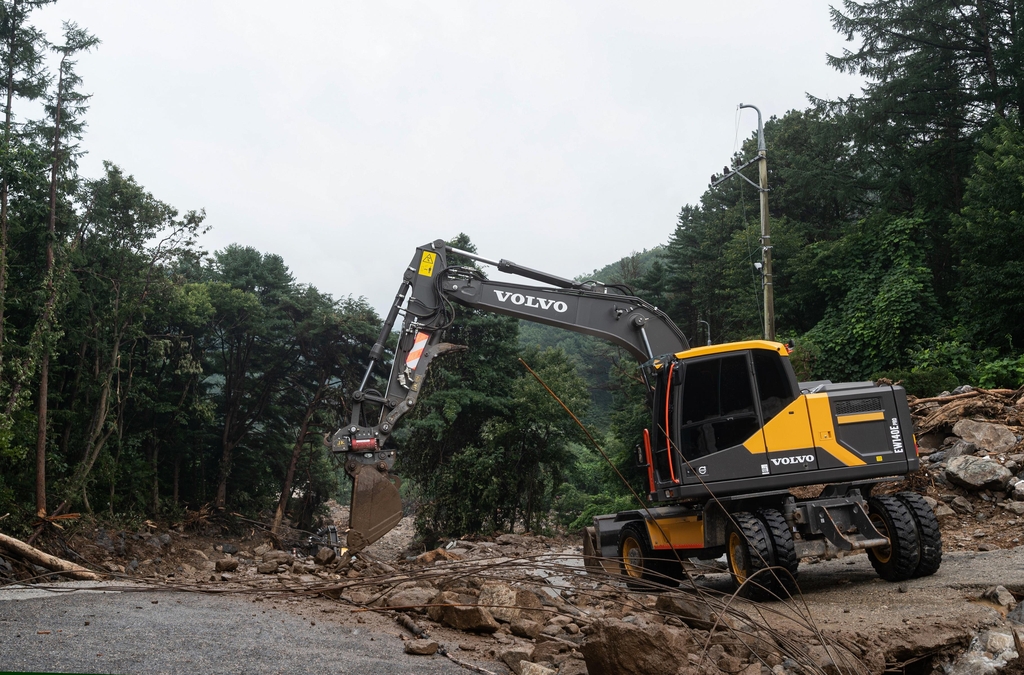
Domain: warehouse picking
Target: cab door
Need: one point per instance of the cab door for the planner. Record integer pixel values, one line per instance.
(718, 414)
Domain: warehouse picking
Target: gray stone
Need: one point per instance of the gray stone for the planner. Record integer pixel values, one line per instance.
(1001, 596)
(959, 449)
(1016, 507)
(414, 597)
(977, 473)
(962, 505)
(228, 564)
(943, 511)
(1018, 492)
(421, 647)
(325, 556)
(1017, 615)
(230, 549)
(267, 568)
(535, 669)
(986, 435)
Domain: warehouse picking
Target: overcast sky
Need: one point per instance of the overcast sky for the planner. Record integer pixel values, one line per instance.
(341, 135)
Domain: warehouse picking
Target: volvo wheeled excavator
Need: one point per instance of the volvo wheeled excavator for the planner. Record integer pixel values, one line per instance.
(732, 430)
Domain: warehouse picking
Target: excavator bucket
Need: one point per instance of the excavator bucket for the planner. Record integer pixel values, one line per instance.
(376, 507)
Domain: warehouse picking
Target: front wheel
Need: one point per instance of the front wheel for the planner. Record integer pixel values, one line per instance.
(891, 517)
(643, 570)
(748, 553)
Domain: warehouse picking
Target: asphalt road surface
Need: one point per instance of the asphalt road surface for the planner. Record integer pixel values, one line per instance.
(162, 632)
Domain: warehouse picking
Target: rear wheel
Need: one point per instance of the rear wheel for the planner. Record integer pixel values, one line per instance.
(929, 538)
(891, 517)
(748, 552)
(643, 570)
(780, 582)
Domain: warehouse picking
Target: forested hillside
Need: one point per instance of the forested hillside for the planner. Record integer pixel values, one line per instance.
(140, 375)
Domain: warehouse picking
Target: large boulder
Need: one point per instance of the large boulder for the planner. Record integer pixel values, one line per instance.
(988, 436)
(500, 601)
(978, 473)
(461, 613)
(619, 648)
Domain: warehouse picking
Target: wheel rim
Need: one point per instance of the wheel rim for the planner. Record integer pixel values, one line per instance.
(882, 553)
(632, 557)
(736, 550)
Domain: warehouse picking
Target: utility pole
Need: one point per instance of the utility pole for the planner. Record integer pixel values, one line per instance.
(766, 239)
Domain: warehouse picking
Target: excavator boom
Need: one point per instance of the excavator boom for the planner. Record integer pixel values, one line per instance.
(430, 288)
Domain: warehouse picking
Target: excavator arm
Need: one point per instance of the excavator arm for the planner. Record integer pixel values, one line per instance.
(430, 288)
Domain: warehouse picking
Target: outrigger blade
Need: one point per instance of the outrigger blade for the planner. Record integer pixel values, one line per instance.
(376, 507)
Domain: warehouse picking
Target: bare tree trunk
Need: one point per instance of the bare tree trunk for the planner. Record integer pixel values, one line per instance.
(174, 483)
(156, 479)
(44, 374)
(286, 489)
(4, 187)
(44, 383)
(37, 557)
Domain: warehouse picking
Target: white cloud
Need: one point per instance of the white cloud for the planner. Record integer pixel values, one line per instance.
(341, 135)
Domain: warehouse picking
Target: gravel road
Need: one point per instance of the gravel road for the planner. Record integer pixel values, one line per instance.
(162, 632)
(174, 632)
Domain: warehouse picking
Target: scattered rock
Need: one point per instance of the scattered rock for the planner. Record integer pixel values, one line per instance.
(1001, 596)
(837, 660)
(535, 669)
(525, 628)
(278, 557)
(414, 598)
(228, 564)
(325, 556)
(433, 556)
(230, 549)
(977, 473)
(421, 647)
(693, 612)
(513, 658)
(460, 612)
(959, 449)
(262, 548)
(618, 648)
(986, 435)
(500, 601)
(267, 568)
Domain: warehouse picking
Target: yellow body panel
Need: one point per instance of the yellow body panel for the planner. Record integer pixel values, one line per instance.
(427, 264)
(862, 417)
(825, 432)
(682, 531)
(789, 430)
(734, 347)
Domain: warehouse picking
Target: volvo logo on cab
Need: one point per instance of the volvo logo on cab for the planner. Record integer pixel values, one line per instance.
(798, 459)
(530, 301)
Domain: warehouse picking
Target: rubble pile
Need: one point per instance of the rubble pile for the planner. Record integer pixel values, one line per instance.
(971, 443)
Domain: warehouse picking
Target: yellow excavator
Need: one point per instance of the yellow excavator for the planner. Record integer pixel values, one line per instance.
(732, 430)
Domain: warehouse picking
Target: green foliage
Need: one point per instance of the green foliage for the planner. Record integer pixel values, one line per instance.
(989, 235)
(921, 382)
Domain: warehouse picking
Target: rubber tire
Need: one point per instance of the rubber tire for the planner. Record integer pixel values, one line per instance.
(929, 537)
(638, 564)
(780, 583)
(748, 551)
(898, 561)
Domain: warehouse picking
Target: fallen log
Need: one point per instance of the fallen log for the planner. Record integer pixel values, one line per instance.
(52, 563)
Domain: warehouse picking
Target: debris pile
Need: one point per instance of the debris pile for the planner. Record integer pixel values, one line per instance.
(971, 443)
